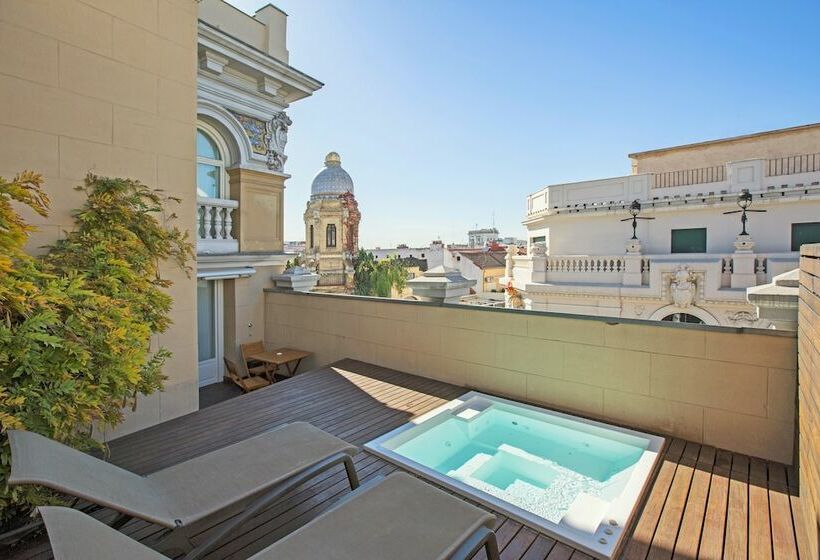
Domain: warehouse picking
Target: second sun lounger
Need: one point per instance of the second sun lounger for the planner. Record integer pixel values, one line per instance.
(396, 518)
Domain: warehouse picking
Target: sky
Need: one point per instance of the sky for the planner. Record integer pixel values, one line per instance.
(448, 113)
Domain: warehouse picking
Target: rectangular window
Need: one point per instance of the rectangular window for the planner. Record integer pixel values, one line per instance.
(802, 234)
(689, 240)
(539, 239)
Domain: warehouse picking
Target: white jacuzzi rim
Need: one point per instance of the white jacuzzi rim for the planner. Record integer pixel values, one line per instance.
(623, 509)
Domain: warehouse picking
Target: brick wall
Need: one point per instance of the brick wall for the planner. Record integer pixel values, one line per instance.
(729, 388)
(107, 87)
(809, 391)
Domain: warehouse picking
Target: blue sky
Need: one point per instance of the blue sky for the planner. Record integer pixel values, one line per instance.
(445, 112)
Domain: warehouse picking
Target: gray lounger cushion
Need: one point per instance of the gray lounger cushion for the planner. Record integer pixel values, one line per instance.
(400, 518)
(181, 494)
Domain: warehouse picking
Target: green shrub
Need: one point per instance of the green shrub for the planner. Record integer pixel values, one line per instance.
(377, 278)
(76, 323)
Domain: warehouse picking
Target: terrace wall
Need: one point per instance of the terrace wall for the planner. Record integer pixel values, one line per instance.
(809, 391)
(107, 87)
(731, 388)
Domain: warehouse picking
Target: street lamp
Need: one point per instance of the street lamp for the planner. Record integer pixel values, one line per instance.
(634, 210)
(744, 201)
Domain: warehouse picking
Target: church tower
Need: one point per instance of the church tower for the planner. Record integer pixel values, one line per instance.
(332, 227)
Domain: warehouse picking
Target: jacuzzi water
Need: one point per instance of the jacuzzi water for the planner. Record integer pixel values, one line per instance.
(573, 478)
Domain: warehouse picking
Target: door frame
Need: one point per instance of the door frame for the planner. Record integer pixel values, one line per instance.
(219, 325)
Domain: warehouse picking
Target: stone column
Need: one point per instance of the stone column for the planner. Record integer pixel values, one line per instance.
(258, 223)
(297, 279)
(743, 263)
(632, 264)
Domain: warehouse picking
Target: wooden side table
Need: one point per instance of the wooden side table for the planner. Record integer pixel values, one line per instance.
(288, 357)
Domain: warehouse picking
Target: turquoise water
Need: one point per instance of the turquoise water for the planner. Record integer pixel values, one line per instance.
(537, 461)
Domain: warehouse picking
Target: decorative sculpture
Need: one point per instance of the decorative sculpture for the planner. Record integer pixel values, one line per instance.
(683, 287)
(277, 140)
(512, 251)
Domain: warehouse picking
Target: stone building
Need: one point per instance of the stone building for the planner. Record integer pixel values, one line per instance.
(688, 260)
(190, 97)
(332, 226)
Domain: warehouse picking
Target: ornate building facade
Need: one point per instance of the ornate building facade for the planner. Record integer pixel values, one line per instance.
(687, 259)
(332, 226)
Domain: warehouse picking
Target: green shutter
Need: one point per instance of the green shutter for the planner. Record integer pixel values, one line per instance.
(805, 233)
(689, 240)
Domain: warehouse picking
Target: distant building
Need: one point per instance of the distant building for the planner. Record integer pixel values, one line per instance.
(688, 261)
(482, 237)
(484, 266)
(332, 226)
(297, 247)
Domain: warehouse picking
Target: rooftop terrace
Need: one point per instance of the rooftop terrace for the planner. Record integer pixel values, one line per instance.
(703, 503)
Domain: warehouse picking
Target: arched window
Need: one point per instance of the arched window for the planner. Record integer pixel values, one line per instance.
(210, 166)
(311, 236)
(331, 235)
(683, 318)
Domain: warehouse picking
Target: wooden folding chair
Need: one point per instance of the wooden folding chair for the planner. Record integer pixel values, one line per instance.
(255, 367)
(239, 374)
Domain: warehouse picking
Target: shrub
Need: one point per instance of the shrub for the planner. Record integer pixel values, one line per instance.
(377, 278)
(76, 323)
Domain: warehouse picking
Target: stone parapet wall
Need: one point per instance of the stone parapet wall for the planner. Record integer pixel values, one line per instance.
(731, 388)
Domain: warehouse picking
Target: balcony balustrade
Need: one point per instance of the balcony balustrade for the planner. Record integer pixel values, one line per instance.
(215, 226)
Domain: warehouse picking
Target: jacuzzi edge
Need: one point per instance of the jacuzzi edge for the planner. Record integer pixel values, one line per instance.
(647, 468)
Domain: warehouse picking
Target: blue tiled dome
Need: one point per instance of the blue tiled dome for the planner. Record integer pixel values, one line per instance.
(331, 181)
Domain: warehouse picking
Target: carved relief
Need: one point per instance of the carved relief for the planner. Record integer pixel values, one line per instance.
(743, 319)
(277, 140)
(267, 138)
(683, 287)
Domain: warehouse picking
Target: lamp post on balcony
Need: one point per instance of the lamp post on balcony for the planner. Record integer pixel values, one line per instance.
(633, 275)
(744, 200)
(743, 261)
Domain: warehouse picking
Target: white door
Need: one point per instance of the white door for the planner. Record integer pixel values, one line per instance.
(209, 330)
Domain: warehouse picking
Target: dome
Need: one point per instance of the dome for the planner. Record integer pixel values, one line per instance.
(331, 181)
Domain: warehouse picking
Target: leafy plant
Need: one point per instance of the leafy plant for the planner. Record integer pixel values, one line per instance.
(76, 323)
(377, 278)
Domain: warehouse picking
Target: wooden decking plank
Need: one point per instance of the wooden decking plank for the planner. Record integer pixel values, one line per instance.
(714, 524)
(638, 546)
(693, 516)
(783, 543)
(800, 535)
(666, 533)
(560, 551)
(760, 532)
(736, 541)
(540, 548)
(519, 545)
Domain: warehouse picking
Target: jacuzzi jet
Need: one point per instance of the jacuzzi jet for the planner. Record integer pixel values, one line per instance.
(613, 522)
(447, 444)
(515, 423)
(602, 540)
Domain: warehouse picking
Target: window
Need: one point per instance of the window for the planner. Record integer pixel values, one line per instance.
(689, 240)
(210, 166)
(683, 318)
(808, 232)
(539, 239)
(311, 236)
(330, 241)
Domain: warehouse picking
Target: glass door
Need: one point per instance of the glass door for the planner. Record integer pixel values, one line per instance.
(209, 330)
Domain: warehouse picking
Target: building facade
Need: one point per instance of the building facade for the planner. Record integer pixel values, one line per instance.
(332, 227)
(689, 260)
(482, 237)
(189, 97)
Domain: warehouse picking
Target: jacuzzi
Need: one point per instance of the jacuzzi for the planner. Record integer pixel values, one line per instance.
(575, 479)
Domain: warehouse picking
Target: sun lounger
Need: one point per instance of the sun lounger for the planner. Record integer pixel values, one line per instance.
(396, 518)
(240, 479)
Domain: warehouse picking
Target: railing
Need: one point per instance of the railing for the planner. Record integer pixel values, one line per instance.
(790, 165)
(585, 264)
(685, 177)
(215, 225)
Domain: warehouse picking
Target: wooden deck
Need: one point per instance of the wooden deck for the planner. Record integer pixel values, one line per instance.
(704, 503)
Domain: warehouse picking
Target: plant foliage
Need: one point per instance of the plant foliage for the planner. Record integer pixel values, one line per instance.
(377, 278)
(76, 323)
